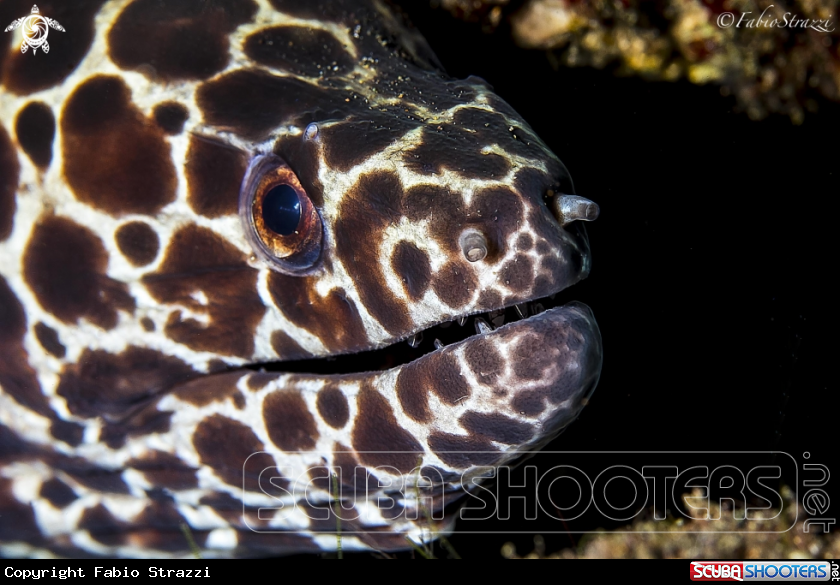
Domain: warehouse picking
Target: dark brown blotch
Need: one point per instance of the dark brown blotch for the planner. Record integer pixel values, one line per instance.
(367, 209)
(98, 479)
(238, 399)
(458, 146)
(445, 378)
(421, 201)
(109, 385)
(287, 348)
(484, 360)
(524, 242)
(227, 446)
(236, 513)
(530, 358)
(332, 406)
(518, 273)
(333, 318)
(377, 429)
(529, 403)
(17, 378)
(455, 284)
(300, 50)
(171, 117)
(489, 299)
(103, 526)
(196, 260)
(252, 103)
(214, 174)
(497, 427)
(536, 184)
(138, 242)
(99, 119)
(12, 447)
(67, 431)
(500, 211)
(147, 324)
(48, 338)
(463, 451)
(18, 523)
(259, 380)
(437, 372)
(353, 474)
(412, 265)
(165, 470)
(147, 420)
(9, 170)
(217, 366)
(65, 266)
(57, 493)
(462, 156)
(412, 388)
(351, 142)
(161, 527)
(177, 40)
(208, 389)
(289, 423)
(35, 130)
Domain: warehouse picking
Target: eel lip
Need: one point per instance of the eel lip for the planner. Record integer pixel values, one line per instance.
(550, 364)
(499, 394)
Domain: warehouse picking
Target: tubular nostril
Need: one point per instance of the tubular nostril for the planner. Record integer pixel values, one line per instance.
(569, 208)
(474, 245)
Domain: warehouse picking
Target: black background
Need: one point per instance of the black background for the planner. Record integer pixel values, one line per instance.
(713, 259)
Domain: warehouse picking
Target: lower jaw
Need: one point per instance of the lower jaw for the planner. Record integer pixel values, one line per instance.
(479, 401)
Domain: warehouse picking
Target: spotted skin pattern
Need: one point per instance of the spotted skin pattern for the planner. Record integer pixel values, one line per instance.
(134, 308)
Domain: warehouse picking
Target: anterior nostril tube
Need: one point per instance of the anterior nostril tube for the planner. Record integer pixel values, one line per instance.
(569, 208)
(474, 245)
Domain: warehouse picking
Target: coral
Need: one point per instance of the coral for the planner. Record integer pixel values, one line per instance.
(696, 538)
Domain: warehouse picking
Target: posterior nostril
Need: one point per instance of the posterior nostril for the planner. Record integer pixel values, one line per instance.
(474, 245)
(569, 208)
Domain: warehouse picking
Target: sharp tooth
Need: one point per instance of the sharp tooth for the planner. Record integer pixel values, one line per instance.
(538, 308)
(481, 326)
(498, 321)
(462, 320)
(521, 310)
(438, 344)
(415, 339)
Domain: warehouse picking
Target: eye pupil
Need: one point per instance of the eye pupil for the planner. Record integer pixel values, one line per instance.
(281, 210)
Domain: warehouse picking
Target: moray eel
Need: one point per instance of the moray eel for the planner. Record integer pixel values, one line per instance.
(192, 193)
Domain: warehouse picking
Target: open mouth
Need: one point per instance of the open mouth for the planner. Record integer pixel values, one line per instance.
(422, 343)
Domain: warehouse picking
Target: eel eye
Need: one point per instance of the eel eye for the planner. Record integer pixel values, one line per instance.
(282, 223)
(281, 210)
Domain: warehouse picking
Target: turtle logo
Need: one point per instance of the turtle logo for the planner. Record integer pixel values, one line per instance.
(35, 29)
